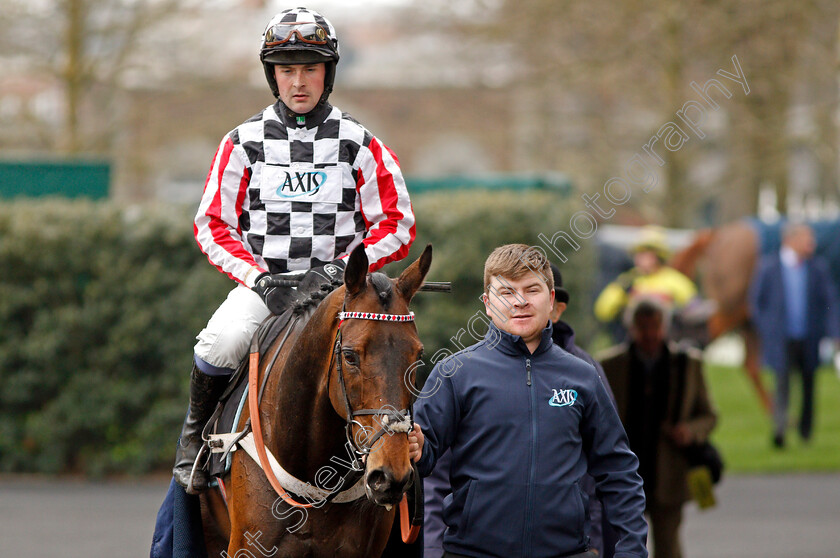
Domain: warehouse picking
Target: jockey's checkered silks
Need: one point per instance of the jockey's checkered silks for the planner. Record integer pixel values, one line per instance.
(289, 194)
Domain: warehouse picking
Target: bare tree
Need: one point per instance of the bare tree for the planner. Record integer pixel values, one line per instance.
(85, 46)
(616, 71)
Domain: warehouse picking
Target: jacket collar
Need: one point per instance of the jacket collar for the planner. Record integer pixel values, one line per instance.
(563, 334)
(513, 344)
(312, 119)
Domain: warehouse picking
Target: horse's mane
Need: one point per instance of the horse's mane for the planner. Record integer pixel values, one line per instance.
(311, 300)
(685, 261)
(379, 281)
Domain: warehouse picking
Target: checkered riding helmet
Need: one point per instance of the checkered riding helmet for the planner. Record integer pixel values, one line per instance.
(299, 36)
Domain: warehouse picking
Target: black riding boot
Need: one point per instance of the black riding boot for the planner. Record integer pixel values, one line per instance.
(205, 391)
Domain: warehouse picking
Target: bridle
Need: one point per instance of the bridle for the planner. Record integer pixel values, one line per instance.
(393, 420)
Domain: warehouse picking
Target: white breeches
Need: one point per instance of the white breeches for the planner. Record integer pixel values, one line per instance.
(225, 340)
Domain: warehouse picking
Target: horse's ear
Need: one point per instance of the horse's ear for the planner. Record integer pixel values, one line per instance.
(355, 274)
(412, 278)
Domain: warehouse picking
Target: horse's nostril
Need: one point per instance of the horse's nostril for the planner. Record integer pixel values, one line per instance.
(379, 480)
(383, 483)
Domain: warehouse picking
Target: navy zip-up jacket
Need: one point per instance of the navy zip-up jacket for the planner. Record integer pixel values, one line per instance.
(523, 429)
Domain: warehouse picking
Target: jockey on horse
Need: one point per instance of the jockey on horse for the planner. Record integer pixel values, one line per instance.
(293, 189)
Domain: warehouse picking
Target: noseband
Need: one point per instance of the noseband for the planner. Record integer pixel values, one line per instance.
(392, 420)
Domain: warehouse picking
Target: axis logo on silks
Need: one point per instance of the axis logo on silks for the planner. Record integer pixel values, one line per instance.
(563, 398)
(299, 183)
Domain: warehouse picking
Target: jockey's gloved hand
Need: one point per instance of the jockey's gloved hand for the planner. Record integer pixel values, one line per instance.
(278, 299)
(332, 273)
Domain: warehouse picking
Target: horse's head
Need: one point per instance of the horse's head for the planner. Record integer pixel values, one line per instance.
(378, 345)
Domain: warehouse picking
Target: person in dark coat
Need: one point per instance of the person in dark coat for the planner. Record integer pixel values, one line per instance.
(437, 485)
(793, 304)
(525, 421)
(663, 403)
(601, 537)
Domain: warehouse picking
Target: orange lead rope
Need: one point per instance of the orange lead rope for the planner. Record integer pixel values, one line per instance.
(409, 535)
(259, 443)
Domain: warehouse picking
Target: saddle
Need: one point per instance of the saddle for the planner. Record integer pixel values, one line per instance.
(226, 416)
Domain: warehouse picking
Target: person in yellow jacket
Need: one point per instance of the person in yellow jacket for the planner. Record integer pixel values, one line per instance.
(650, 276)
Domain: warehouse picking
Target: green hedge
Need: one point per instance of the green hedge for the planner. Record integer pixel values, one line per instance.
(100, 307)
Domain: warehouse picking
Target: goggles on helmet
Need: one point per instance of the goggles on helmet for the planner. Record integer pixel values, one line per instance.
(307, 32)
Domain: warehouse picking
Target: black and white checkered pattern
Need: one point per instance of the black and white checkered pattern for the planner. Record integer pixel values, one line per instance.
(304, 15)
(300, 235)
(239, 226)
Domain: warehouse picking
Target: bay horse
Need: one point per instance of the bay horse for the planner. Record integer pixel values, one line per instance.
(333, 384)
(725, 258)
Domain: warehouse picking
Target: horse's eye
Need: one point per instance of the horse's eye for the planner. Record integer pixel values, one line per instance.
(350, 357)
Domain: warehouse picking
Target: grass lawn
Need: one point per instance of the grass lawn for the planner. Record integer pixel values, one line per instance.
(743, 434)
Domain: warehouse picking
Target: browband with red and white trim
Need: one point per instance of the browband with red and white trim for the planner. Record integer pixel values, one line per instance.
(380, 317)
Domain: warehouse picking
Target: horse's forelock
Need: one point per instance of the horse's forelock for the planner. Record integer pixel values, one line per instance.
(383, 286)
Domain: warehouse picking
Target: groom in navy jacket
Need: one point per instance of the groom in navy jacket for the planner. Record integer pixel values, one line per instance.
(525, 421)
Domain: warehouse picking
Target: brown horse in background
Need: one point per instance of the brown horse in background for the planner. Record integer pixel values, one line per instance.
(324, 367)
(725, 258)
